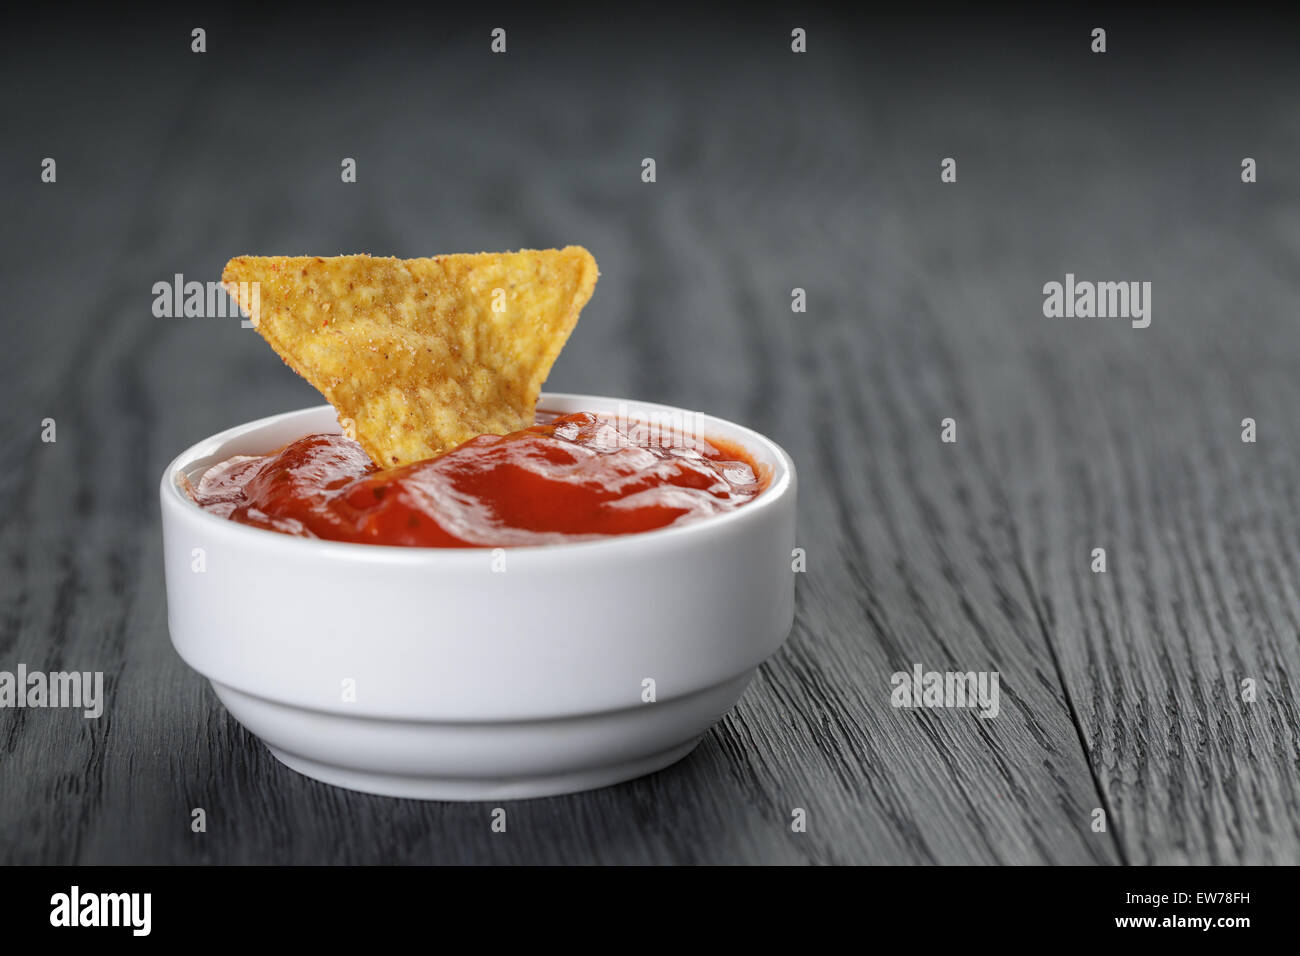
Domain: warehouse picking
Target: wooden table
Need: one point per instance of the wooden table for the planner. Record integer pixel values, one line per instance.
(1120, 691)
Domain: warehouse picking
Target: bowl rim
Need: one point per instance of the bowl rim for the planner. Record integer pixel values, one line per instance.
(782, 484)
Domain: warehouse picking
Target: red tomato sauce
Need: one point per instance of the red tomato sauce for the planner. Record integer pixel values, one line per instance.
(576, 477)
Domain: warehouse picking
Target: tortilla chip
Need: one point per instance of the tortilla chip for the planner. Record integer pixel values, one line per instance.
(419, 355)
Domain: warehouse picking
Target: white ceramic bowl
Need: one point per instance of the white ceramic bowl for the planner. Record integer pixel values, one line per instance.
(472, 683)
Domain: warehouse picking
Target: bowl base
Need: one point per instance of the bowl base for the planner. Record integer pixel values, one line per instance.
(461, 789)
(510, 759)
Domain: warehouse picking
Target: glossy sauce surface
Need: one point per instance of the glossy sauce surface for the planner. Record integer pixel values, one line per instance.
(575, 477)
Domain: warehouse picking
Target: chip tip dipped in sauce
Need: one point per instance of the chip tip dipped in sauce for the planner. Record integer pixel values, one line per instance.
(575, 477)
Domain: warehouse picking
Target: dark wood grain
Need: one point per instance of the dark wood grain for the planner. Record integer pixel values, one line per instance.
(1120, 691)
